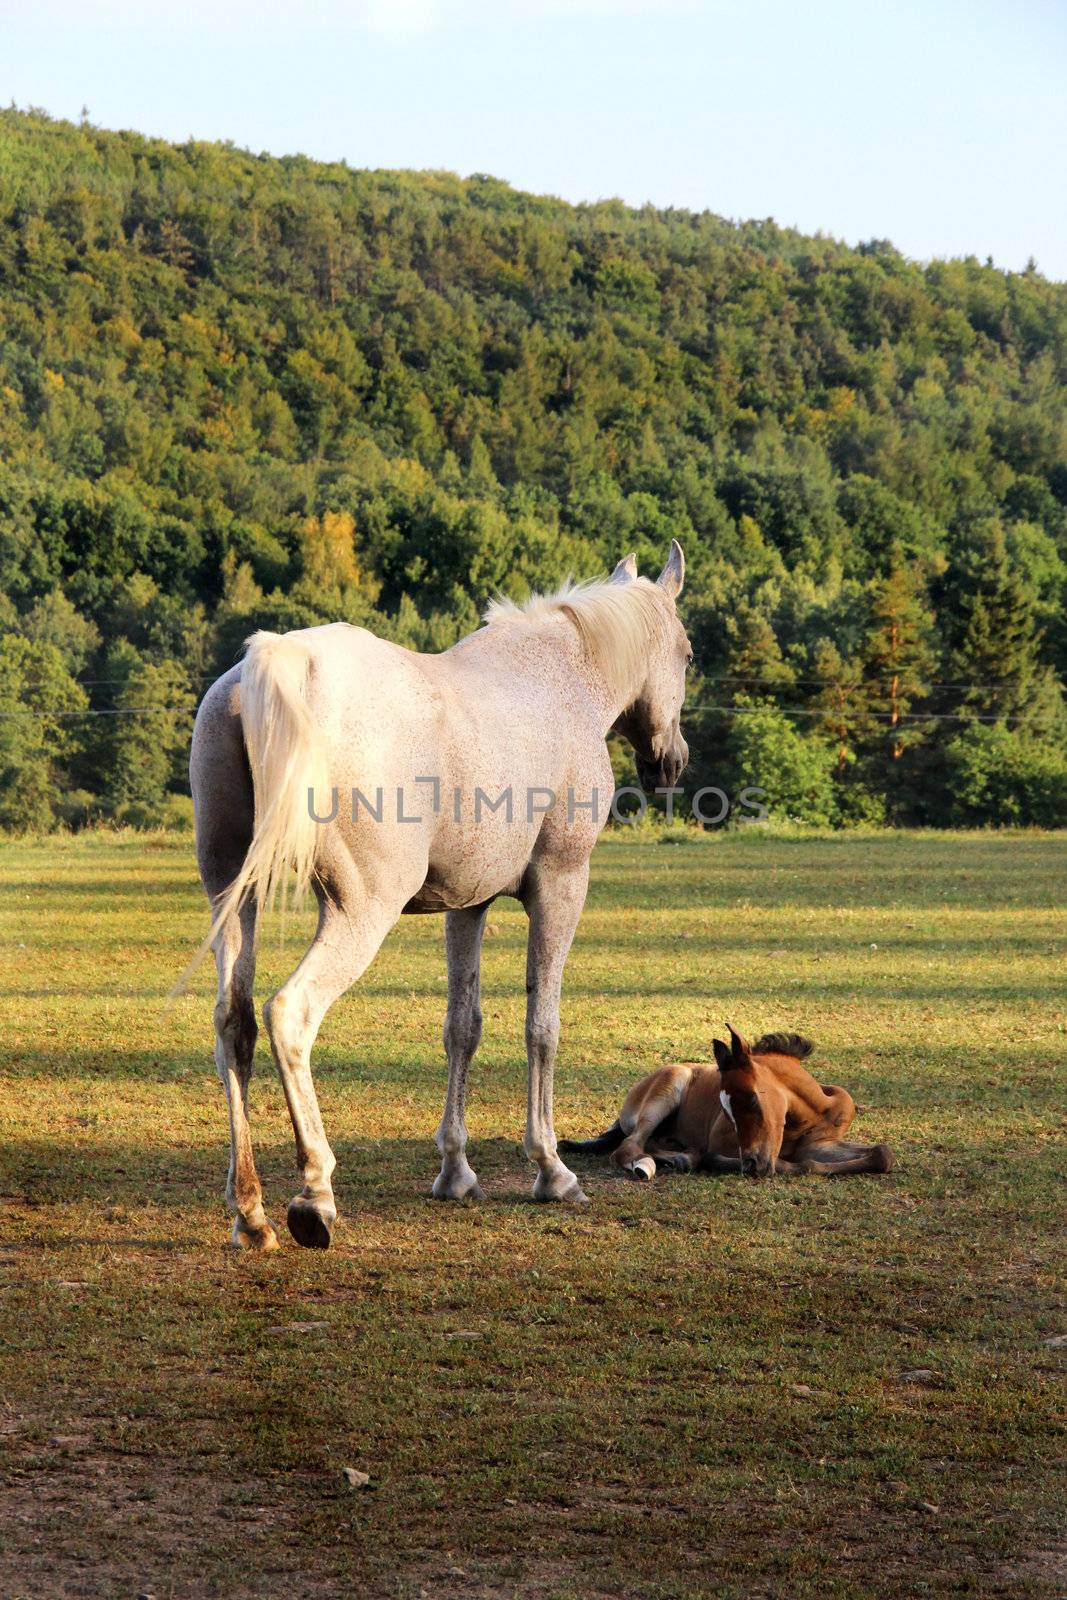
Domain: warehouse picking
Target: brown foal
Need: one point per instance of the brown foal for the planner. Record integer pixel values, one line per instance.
(759, 1112)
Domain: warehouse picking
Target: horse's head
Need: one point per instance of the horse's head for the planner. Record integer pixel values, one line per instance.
(754, 1104)
(651, 721)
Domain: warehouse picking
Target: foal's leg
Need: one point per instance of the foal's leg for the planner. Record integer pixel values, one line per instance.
(826, 1161)
(839, 1160)
(554, 901)
(345, 944)
(720, 1165)
(647, 1106)
(675, 1160)
(235, 1040)
(463, 1031)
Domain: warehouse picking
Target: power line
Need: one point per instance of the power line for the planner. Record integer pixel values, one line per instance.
(192, 677)
(786, 683)
(902, 716)
(712, 677)
(733, 711)
(105, 711)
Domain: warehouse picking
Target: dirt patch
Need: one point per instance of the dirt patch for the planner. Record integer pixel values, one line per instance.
(80, 1521)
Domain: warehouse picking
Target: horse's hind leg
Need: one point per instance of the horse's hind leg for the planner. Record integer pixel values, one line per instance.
(235, 1041)
(463, 1031)
(840, 1160)
(345, 944)
(222, 791)
(719, 1165)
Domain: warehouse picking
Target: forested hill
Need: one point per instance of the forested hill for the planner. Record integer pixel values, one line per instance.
(237, 391)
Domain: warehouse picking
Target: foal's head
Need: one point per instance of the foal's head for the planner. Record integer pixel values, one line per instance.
(652, 721)
(754, 1103)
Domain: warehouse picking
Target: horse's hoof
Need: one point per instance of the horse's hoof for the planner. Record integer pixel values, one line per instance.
(882, 1159)
(263, 1239)
(308, 1225)
(563, 1190)
(678, 1163)
(458, 1190)
(644, 1170)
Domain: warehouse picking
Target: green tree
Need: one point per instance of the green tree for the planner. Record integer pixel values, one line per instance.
(54, 620)
(40, 706)
(753, 661)
(145, 742)
(995, 654)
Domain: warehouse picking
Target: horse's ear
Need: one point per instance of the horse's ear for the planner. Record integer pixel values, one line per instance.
(626, 571)
(673, 575)
(740, 1044)
(722, 1054)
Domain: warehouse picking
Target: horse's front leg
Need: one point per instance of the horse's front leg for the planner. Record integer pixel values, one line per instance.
(463, 1031)
(554, 901)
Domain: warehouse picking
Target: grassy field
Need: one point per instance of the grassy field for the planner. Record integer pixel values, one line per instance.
(699, 1388)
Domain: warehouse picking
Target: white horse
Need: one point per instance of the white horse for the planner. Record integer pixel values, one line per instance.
(412, 759)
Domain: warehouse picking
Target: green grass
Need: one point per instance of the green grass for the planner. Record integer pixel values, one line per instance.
(686, 1390)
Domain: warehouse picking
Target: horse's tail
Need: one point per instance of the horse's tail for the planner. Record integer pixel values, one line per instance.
(288, 759)
(602, 1145)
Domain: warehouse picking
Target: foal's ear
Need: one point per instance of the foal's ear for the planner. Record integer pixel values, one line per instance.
(722, 1055)
(626, 571)
(740, 1051)
(673, 575)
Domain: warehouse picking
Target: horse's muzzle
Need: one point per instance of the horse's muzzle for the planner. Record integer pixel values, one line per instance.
(664, 772)
(757, 1166)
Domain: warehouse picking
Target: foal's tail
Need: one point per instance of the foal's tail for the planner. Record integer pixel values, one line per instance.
(602, 1145)
(288, 759)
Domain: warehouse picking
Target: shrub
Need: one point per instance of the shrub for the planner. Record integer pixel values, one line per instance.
(997, 776)
(794, 769)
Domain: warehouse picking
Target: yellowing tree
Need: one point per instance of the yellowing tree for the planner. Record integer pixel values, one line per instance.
(328, 547)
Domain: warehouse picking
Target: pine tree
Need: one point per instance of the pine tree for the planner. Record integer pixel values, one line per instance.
(754, 662)
(898, 653)
(839, 704)
(995, 655)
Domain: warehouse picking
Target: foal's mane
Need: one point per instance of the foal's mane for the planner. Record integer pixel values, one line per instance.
(616, 622)
(783, 1044)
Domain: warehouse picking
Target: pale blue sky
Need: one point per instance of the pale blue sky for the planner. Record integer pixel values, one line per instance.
(941, 125)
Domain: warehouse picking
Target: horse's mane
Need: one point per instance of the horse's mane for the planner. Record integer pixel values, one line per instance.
(783, 1044)
(615, 621)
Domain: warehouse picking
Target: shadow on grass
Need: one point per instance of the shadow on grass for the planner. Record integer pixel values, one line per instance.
(768, 969)
(390, 1176)
(38, 1172)
(942, 1072)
